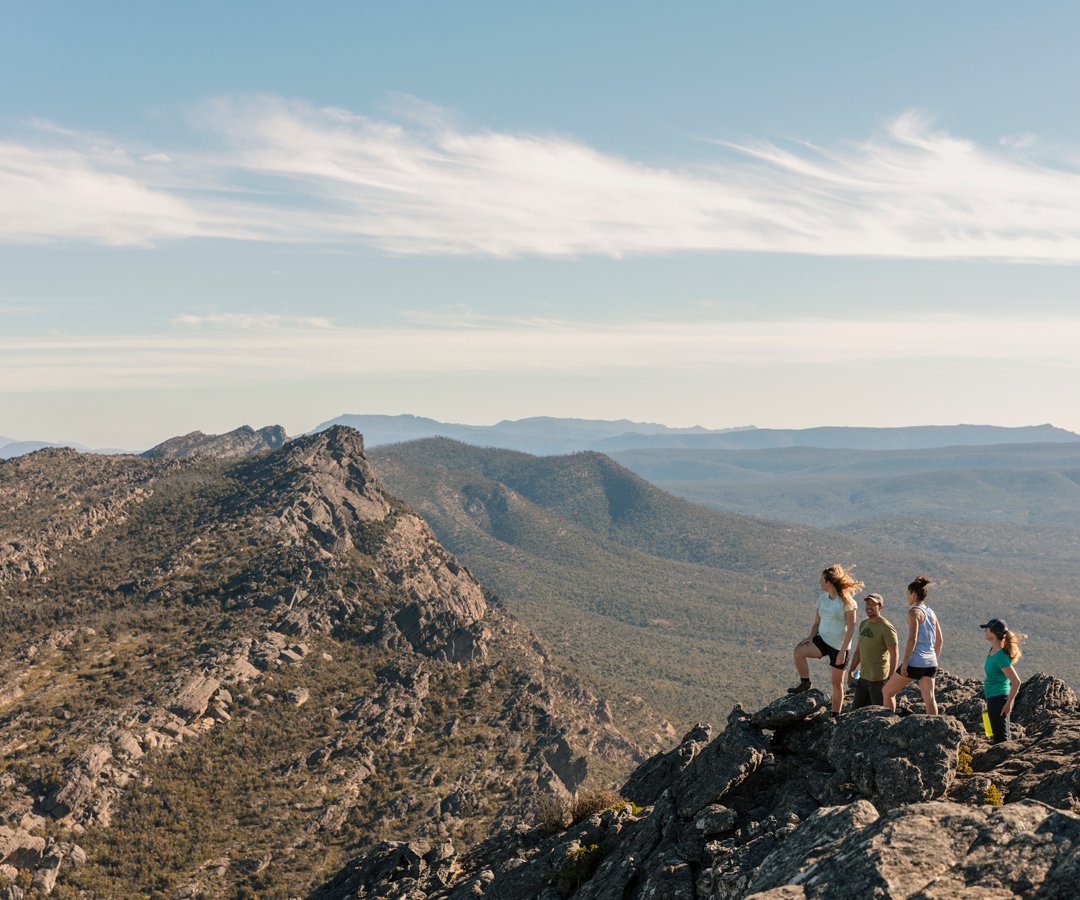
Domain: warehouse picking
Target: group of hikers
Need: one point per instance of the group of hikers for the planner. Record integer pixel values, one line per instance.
(877, 670)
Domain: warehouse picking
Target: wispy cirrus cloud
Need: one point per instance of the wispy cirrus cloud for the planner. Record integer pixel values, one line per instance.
(218, 350)
(284, 171)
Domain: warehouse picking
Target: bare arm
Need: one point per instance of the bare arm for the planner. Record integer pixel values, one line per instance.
(940, 640)
(894, 654)
(855, 657)
(912, 634)
(1014, 688)
(813, 631)
(849, 630)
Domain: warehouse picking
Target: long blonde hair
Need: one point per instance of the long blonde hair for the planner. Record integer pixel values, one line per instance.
(846, 586)
(1010, 643)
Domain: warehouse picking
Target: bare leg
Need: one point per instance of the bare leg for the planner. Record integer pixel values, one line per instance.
(804, 651)
(837, 689)
(926, 687)
(893, 687)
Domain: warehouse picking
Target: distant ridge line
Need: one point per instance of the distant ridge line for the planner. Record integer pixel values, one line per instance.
(546, 436)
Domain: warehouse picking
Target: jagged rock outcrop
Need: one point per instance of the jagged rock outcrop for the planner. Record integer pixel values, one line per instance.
(325, 489)
(244, 441)
(280, 621)
(791, 804)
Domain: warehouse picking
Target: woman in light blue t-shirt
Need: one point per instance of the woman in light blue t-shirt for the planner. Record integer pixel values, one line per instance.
(834, 625)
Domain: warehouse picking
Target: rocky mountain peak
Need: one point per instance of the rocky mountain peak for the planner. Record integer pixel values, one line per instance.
(272, 655)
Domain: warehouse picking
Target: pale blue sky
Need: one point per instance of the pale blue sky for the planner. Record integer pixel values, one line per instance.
(720, 214)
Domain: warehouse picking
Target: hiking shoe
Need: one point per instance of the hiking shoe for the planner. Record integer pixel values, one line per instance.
(801, 688)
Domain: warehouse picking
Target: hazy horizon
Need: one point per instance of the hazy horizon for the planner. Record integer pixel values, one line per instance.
(712, 215)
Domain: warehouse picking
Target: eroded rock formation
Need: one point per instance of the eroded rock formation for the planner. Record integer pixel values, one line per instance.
(791, 804)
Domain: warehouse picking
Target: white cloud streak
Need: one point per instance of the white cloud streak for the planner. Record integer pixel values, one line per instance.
(284, 171)
(209, 351)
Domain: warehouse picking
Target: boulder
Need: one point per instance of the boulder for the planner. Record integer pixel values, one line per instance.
(1041, 692)
(193, 699)
(786, 711)
(893, 761)
(19, 849)
(715, 820)
(48, 869)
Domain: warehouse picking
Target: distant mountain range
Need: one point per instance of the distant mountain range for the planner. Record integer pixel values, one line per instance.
(540, 435)
(544, 436)
(547, 436)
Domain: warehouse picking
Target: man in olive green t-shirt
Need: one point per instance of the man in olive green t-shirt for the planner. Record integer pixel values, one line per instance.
(876, 651)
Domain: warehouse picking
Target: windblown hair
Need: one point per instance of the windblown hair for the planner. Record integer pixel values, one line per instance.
(1010, 643)
(846, 586)
(919, 588)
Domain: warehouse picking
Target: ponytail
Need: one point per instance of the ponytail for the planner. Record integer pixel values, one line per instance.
(1010, 643)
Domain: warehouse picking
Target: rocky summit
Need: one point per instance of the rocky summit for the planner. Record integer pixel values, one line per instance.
(262, 676)
(788, 803)
(241, 442)
(226, 677)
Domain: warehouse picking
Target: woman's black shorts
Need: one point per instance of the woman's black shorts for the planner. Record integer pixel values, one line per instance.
(917, 672)
(828, 651)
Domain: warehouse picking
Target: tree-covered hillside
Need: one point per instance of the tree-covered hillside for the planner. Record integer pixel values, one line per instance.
(691, 607)
(222, 677)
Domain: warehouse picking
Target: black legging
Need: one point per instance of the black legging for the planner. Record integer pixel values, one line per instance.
(999, 724)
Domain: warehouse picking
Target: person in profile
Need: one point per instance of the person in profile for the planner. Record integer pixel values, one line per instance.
(924, 643)
(834, 625)
(1002, 683)
(875, 655)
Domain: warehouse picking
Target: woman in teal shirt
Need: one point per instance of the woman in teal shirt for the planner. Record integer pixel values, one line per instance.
(1002, 682)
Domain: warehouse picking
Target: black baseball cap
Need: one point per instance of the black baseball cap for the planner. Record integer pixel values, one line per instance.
(997, 626)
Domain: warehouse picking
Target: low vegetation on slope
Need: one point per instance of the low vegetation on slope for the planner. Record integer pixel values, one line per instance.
(692, 608)
(221, 677)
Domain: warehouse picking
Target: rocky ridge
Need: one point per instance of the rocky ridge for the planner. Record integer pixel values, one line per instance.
(788, 803)
(283, 595)
(244, 441)
(61, 497)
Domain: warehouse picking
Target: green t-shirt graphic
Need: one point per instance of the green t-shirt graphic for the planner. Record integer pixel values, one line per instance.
(874, 640)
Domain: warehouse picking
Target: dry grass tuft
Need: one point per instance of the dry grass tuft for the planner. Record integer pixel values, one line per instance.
(559, 813)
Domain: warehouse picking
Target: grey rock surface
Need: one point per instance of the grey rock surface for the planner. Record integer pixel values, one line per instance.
(857, 807)
(656, 774)
(241, 442)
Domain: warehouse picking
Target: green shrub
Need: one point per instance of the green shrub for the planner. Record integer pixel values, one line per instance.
(578, 866)
(963, 761)
(993, 796)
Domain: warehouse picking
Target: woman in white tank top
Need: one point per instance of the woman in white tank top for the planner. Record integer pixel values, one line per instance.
(920, 660)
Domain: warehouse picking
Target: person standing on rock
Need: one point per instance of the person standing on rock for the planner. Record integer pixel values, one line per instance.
(875, 652)
(1002, 683)
(834, 625)
(924, 643)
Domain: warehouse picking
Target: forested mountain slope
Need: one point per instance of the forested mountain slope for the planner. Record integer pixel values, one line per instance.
(691, 607)
(220, 677)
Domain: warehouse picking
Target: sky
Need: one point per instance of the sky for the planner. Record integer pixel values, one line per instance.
(718, 214)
